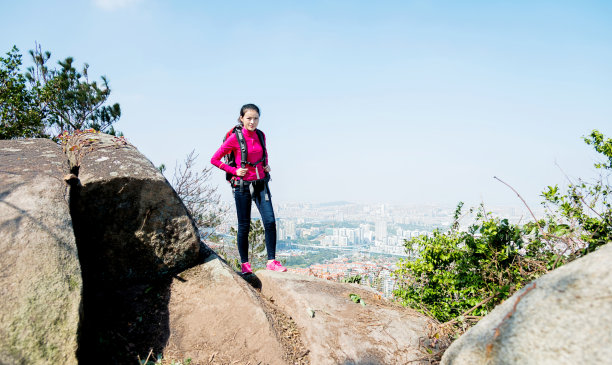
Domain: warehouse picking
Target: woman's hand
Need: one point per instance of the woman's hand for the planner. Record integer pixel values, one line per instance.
(267, 169)
(241, 172)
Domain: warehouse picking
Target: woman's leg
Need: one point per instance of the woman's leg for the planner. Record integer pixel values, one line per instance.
(243, 211)
(269, 221)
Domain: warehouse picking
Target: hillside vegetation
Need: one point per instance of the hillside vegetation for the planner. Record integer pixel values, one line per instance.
(462, 274)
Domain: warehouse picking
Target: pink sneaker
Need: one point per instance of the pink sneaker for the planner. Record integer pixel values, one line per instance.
(276, 266)
(246, 268)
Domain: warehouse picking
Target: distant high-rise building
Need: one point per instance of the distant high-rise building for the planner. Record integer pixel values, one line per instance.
(381, 231)
(280, 233)
(365, 233)
(290, 227)
(350, 234)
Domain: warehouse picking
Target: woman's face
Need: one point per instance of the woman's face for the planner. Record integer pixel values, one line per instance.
(250, 120)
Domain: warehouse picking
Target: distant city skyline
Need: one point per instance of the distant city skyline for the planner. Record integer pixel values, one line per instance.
(362, 228)
(369, 102)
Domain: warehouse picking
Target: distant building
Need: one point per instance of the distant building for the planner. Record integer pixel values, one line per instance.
(280, 233)
(381, 231)
(290, 230)
(340, 216)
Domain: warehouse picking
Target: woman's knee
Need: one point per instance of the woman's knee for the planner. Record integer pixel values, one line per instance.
(270, 225)
(268, 218)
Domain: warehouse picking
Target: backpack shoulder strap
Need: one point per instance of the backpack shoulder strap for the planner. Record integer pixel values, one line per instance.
(243, 146)
(228, 134)
(262, 140)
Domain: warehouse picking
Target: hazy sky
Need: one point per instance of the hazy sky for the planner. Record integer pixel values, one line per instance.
(365, 101)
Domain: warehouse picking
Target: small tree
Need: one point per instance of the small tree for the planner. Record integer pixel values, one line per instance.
(47, 101)
(71, 100)
(20, 113)
(257, 243)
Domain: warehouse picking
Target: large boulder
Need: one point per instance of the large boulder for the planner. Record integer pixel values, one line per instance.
(129, 222)
(40, 279)
(133, 233)
(337, 330)
(564, 317)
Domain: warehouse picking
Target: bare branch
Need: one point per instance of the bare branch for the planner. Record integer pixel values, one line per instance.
(200, 198)
(523, 200)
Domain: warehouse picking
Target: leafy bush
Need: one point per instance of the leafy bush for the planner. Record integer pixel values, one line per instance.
(582, 216)
(355, 279)
(468, 272)
(460, 276)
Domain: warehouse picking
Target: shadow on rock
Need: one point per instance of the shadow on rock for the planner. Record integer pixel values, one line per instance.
(253, 280)
(124, 323)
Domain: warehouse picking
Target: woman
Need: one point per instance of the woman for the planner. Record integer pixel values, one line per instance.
(250, 183)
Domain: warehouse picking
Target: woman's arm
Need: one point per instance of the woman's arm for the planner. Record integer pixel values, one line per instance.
(228, 146)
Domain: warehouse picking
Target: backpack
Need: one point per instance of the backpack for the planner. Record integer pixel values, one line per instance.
(230, 158)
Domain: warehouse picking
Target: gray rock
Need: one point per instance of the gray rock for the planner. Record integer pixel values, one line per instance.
(565, 319)
(216, 317)
(40, 279)
(130, 224)
(342, 331)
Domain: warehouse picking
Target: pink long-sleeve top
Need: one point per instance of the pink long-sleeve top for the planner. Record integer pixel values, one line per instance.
(254, 154)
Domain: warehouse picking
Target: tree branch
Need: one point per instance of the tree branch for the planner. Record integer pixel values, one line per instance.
(523, 200)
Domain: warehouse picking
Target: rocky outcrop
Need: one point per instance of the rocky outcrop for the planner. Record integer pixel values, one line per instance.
(216, 317)
(111, 268)
(120, 222)
(564, 317)
(129, 221)
(336, 330)
(40, 279)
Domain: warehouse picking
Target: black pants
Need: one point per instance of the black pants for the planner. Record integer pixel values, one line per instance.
(243, 210)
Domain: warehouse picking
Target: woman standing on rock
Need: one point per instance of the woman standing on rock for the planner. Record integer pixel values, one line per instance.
(249, 179)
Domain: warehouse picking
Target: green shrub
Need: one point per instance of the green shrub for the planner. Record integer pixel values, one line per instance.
(461, 275)
(459, 270)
